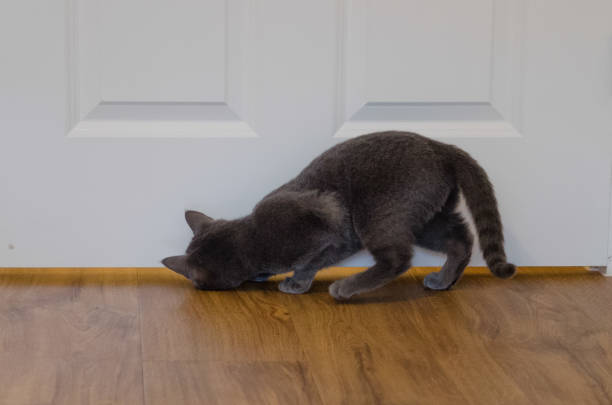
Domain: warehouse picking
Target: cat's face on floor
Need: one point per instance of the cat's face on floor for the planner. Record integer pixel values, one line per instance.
(210, 262)
(203, 277)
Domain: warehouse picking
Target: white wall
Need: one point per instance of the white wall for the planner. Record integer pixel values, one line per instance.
(78, 201)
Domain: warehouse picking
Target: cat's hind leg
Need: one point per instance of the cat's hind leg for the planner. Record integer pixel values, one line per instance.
(386, 226)
(447, 233)
(390, 263)
(391, 246)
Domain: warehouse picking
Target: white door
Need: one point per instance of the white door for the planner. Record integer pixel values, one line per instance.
(115, 116)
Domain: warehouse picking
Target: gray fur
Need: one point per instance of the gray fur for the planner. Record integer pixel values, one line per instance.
(384, 192)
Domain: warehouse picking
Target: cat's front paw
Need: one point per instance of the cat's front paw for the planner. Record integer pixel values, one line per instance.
(292, 286)
(339, 291)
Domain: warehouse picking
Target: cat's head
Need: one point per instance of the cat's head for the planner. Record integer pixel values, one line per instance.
(212, 260)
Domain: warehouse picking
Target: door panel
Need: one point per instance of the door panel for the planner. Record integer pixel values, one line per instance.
(454, 64)
(157, 68)
(209, 105)
(158, 51)
(441, 68)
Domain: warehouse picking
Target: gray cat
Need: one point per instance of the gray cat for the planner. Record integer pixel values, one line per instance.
(384, 192)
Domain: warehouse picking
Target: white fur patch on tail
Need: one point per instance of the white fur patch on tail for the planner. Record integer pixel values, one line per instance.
(463, 210)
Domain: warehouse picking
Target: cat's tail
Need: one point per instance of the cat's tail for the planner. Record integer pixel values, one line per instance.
(480, 198)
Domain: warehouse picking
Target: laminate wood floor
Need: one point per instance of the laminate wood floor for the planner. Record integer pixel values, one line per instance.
(145, 336)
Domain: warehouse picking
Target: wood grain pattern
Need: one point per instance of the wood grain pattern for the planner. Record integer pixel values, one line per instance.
(236, 382)
(181, 323)
(69, 336)
(145, 336)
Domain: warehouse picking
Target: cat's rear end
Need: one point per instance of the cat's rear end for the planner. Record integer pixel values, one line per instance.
(401, 190)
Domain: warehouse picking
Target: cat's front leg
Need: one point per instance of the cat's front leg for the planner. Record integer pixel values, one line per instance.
(299, 283)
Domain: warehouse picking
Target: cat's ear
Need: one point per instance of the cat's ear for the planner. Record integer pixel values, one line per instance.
(178, 264)
(196, 220)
